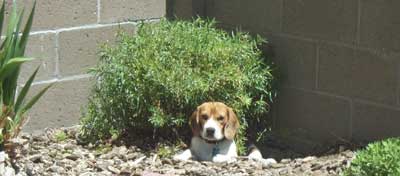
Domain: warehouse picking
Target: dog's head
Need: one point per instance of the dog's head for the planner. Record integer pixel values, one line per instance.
(213, 121)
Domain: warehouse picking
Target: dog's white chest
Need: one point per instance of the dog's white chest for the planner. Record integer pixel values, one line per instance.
(204, 151)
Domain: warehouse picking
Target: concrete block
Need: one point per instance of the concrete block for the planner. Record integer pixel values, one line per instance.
(79, 48)
(321, 19)
(258, 16)
(296, 61)
(322, 118)
(358, 74)
(372, 122)
(125, 10)
(54, 14)
(61, 105)
(42, 47)
(380, 24)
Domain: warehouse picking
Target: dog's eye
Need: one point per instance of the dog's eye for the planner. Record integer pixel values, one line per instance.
(204, 117)
(220, 118)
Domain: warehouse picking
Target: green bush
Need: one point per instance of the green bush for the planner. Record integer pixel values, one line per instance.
(157, 77)
(378, 159)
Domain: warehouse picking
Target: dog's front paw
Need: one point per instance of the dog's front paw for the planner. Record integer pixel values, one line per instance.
(184, 156)
(223, 158)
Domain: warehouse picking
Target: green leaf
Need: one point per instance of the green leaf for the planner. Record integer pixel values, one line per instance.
(25, 35)
(11, 66)
(25, 90)
(12, 20)
(2, 16)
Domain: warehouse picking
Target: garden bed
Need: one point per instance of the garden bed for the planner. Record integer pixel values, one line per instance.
(50, 153)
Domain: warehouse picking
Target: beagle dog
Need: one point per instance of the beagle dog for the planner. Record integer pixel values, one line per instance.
(214, 126)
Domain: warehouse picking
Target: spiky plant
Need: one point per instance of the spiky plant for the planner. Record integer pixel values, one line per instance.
(13, 107)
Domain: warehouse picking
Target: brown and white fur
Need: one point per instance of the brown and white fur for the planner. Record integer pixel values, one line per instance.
(214, 126)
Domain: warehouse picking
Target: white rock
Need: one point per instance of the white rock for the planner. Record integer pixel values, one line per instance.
(3, 156)
(309, 158)
(268, 161)
(9, 171)
(113, 169)
(2, 168)
(254, 155)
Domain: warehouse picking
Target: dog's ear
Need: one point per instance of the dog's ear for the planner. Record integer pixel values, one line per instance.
(232, 126)
(195, 123)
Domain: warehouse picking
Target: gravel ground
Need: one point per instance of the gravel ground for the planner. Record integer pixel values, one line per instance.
(42, 154)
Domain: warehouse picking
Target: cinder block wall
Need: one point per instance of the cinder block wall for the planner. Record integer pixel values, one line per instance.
(339, 61)
(65, 39)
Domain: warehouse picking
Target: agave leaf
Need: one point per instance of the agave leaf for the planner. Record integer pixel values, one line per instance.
(3, 44)
(25, 35)
(12, 20)
(2, 55)
(21, 111)
(12, 50)
(25, 90)
(11, 66)
(29, 105)
(2, 10)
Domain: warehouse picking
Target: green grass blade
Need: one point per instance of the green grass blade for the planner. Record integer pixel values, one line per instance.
(25, 34)
(2, 17)
(25, 90)
(11, 66)
(34, 100)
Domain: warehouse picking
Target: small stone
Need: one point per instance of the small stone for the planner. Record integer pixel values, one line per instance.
(308, 159)
(56, 169)
(267, 162)
(36, 158)
(3, 156)
(103, 165)
(114, 170)
(2, 168)
(122, 150)
(316, 166)
(9, 171)
(87, 174)
(130, 156)
(72, 157)
(91, 156)
(107, 173)
(69, 146)
(277, 165)
(19, 141)
(167, 161)
(108, 155)
(285, 161)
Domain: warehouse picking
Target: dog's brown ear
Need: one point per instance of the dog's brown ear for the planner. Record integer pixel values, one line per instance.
(232, 126)
(195, 123)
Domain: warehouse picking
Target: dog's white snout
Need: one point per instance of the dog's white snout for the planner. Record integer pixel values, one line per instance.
(212, 130)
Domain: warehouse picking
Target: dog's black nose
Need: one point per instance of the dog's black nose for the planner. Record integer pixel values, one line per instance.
(210, 131)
